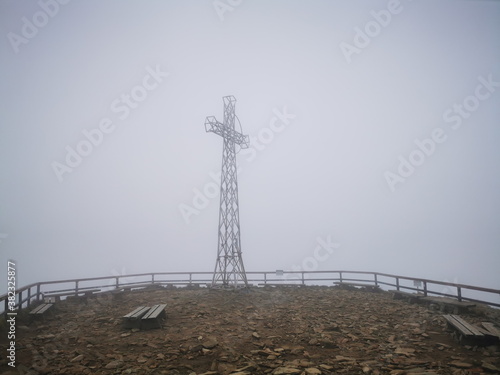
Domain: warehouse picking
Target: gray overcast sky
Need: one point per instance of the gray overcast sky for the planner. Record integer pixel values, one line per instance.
(374, 124)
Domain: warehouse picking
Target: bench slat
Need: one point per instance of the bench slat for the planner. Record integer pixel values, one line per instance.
(133, 318)
(70, 293)
(465, 328)
(36, 309)
(40, 309)
(45, 308)
(154, 312)
(491, 329)
(138, 313)
(364, 286)
(153, 317)
(451, 321)
(470, 327)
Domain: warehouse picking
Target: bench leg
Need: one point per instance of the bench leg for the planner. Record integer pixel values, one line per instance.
(132, 323)
(151, 324)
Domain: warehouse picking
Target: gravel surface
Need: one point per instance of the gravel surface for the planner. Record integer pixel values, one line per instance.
(286, 330)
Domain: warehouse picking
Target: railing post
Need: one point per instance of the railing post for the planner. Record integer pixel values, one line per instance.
(190, 278)
(303, 282)
(37, 292)
(459, 294)
(425, 288)
(397, 283)
(265, 278)
(20, 307)
(152, 278)
(376, 281)
(76, 288)
(29, 296)
(340, 277)
(117, 282)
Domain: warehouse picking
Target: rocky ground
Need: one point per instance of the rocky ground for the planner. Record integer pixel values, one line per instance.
(308, 330)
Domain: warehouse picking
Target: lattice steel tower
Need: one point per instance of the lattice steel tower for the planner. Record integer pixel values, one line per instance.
(229, 270)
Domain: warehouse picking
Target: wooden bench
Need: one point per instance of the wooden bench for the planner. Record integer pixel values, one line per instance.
(347, 285)
(448, 305)
(491, 331)
(130, 287)
(465, 333)
(281, 284)
(40, 309)
(133, 318)
(85, 292)
(152, 318)
(410, 297)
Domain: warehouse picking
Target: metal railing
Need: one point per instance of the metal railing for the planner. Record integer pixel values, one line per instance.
(24, 297)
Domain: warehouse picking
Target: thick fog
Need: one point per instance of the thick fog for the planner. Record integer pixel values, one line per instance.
(374, 130)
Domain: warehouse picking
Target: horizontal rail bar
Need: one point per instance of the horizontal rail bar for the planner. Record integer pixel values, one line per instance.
(300, 277)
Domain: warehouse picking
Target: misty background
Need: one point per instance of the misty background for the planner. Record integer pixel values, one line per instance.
(327, 128)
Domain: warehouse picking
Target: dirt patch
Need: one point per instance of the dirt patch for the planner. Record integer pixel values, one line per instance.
(308, 330)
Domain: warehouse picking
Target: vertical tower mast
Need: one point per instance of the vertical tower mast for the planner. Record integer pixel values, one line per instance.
(229, 270)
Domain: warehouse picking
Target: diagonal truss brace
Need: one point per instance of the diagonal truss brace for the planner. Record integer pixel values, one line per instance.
(229, 270)
(214, 126)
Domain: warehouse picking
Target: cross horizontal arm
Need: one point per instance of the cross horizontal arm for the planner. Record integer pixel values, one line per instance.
(214, 126)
